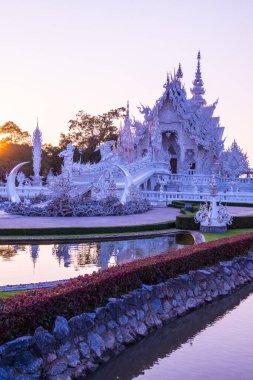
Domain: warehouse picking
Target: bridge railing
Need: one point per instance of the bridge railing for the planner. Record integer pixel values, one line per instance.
(168, 196)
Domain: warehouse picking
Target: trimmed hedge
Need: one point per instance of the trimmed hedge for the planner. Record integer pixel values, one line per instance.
(85, 230)
(238, 204)
(179, 204)
(23, 313)
(186, 222)
(184, 211)
(182, 203)
(242, 222)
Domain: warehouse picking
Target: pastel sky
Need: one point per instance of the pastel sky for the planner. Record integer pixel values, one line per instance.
(59, 56)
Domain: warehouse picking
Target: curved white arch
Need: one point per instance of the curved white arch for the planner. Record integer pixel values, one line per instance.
(11, 186)
(128, 182)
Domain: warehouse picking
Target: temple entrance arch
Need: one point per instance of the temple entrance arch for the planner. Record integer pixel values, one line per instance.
(171, 149)
(173, 165)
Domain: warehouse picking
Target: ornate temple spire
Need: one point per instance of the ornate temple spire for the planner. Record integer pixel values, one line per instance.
(127, 123)
(125, 139)
(37, 142)
(198, 86)
(179, 74)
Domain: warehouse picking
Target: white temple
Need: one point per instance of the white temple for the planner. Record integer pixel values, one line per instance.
(179, 131)
(171, 154)
(174, 151)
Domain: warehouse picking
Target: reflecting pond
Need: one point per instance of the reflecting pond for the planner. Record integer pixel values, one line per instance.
(30, 263)
(212, 343)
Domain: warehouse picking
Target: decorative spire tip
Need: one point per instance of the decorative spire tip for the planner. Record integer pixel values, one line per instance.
(179, 74)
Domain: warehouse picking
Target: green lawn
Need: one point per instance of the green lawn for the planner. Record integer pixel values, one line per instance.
(210, 237)
(9, 294)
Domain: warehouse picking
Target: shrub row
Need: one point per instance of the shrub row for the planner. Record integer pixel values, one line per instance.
(85, 230)
(186, 222)
(21, 314)
(179, 204)
(183, 206)
(242, 222)
(238, 204)
(192, 209)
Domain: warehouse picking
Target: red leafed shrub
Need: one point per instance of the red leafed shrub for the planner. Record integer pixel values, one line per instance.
(21, 314)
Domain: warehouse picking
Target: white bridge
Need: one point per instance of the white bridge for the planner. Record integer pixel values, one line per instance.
(159, 186)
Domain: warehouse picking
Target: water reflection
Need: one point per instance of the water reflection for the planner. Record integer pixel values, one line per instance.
(214, 342)
(7, 251)
(37, 263)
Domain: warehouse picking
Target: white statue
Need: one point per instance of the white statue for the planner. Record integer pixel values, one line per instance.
(213, 218)
(50, 177)
(106, 150)
(162, 182)
(20, 179)
(68, 161)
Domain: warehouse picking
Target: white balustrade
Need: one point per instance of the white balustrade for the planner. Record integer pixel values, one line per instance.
(168, 197)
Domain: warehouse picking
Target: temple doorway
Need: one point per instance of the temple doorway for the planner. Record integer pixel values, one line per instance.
(173, 165)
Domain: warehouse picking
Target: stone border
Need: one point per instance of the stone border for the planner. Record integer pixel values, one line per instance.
(78, 346)
(197, 236)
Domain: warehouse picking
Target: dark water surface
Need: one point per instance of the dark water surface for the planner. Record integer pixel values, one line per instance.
(29, 263)
(212, 343)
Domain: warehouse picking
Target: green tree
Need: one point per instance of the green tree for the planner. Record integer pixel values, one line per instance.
(87, 132)
(11, 133)
(50, 159)
(13, 154)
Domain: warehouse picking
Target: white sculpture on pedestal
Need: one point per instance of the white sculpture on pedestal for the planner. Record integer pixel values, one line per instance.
(213, 218)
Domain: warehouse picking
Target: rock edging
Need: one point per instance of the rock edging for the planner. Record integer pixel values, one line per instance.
(78, 346)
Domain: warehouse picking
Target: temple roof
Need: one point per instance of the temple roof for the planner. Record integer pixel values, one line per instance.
(173, 106)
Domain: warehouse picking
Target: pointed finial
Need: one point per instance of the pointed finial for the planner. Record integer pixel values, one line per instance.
(179, 74)
(167, 80)
(198, 85)
(37, 122)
